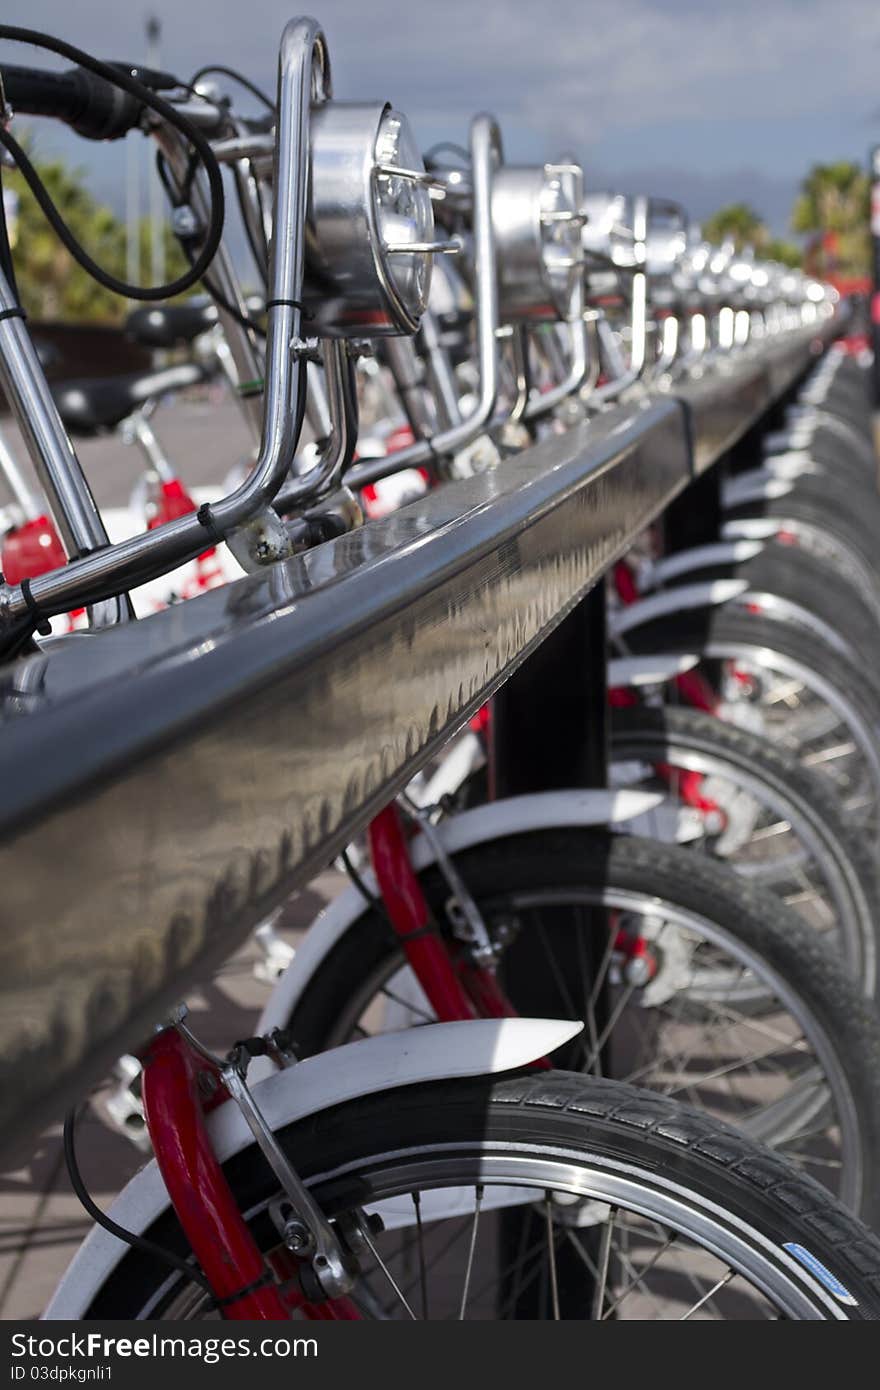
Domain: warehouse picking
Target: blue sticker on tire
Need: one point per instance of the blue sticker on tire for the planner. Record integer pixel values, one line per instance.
(825, 1277)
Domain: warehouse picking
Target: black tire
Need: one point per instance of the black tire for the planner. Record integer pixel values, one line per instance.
(730, 631)
(853, 524)
(843, 450)
(843, 853)
(549, 1124)
(814, 585)
(336, 998)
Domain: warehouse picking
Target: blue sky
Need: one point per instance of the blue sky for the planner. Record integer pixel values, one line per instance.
(686, 98)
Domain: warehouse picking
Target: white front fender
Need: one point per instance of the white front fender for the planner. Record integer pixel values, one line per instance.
(417, 1055)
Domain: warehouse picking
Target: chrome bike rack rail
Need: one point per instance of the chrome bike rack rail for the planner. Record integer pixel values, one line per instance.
(166, 783)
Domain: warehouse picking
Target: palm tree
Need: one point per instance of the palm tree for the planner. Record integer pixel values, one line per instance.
(739, 223)
(834, 205)
(51, 283)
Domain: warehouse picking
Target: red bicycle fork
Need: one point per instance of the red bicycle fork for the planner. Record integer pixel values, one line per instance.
(177, 1088)
(455, 991)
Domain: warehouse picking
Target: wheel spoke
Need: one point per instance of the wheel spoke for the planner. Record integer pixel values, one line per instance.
(603, 1262)
(478, 1197)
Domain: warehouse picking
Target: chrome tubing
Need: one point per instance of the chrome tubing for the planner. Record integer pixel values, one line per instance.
(242, 342)
(57, 467)
(15, 481)
(575, 378)
(303, 73)
(324, 475)
(604, 395)
(58, 470)
(438, 369)
(485, 149)
(579, 357)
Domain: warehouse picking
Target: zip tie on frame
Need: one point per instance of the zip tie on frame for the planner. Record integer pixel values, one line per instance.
(86, 550)
(267, 1277)
(16, 313)
(247, 389)
(205, 517)
(41, 623)
(291, 304)
(429, 929)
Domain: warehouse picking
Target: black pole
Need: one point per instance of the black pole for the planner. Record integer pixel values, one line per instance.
(550, 720)
(549, 731)
(875, 273)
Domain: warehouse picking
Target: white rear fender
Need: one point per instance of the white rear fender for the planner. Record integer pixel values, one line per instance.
(512, 816)
(709, 594)
(759, 528)
(418, 1055)
(628, 671)
(758, 485)
(791, 465)
(696, 558)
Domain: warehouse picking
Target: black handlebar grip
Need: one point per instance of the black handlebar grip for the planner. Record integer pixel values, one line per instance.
(95, 109)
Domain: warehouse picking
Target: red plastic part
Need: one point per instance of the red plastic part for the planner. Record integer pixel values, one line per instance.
(696, 691)
(688, 787)
(625, 583)
(622, 697)
(31, 549)
(171, 502)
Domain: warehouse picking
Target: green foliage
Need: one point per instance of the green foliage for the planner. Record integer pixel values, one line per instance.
(788, 252)
(739, 223)
(51, 283)
(835, 198)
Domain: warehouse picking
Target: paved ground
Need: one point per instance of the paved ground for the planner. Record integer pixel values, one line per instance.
(204, 437)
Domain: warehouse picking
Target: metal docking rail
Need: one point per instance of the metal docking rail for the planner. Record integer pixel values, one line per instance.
(166, 783)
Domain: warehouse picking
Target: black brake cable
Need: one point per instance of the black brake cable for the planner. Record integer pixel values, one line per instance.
(177, 196)
(236, 77)
(148, 98)
(148, 1247)
(374, 901)
(451, 147)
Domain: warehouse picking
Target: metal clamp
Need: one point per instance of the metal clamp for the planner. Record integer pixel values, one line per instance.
(311, 1236)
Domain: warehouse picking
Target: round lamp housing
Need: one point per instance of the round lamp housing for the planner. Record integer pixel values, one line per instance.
(369, 224)
(537, 219)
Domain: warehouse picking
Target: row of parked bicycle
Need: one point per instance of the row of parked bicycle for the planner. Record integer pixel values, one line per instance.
(694, 948)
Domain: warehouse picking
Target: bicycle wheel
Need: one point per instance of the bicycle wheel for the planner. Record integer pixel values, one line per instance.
(811, 700)
(631, 1207)
(777, 823)
(692, 982)
(851, 526)
(813, 585)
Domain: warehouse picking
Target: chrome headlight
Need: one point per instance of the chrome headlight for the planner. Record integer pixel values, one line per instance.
(370, 224)
(537, 219)
(606, 232)
(664, 248)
